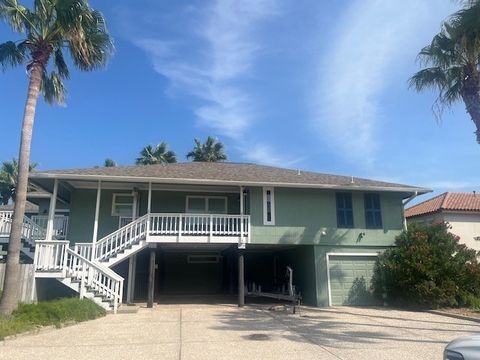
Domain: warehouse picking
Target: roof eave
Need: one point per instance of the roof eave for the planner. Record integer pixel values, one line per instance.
(142, 179)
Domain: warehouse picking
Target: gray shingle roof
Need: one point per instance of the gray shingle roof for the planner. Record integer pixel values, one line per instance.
(224, 172)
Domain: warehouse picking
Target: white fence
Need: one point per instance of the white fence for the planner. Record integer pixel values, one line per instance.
(25, 282)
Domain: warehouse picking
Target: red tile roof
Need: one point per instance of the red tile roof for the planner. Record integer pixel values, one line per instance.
(449, 201)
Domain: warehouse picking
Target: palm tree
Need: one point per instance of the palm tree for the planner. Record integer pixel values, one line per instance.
(47, 28)
(159, 154)
(109, 163)
(211, 150)
(452, 64)
(9, 178)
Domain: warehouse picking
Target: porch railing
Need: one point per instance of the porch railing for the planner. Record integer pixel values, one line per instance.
(95, 278)
(30, 230)
(211, 225)
(60, 224)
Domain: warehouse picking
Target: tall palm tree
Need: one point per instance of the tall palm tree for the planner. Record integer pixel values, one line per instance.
(211, 150)
(47, 28)
(9, 178)
(158, 154)
(451, 64)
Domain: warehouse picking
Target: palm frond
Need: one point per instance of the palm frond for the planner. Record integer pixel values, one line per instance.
(53, 89)
(12, 54)
(60, 64)
(15, 15)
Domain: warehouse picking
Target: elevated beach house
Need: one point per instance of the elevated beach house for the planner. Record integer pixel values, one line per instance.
(138, 233)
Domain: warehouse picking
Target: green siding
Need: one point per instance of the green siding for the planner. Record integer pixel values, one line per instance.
(301, 215)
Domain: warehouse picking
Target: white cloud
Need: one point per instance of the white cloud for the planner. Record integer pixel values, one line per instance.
(225, 50)
(374, 40)
(264, 154)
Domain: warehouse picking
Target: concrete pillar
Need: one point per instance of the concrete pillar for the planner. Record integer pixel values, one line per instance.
(151, 278)
(241, 279)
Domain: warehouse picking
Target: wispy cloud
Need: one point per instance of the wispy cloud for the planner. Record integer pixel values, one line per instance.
(224, 53)
(374, 41)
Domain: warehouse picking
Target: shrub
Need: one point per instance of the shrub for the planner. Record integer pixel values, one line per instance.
(428, 267)
(57, 312)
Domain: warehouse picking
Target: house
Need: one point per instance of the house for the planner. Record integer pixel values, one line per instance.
(143, 233)
(460, 210)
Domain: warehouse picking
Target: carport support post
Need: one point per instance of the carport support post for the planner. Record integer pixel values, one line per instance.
(132, 264)
(151, 278)
(241, 279)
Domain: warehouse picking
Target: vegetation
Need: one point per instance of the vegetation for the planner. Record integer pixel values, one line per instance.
(57, 312)
(47, 29)
(452, 64)
(428, 267)
(8, 179)
(109, 163)
(159, 154)
(211, 150)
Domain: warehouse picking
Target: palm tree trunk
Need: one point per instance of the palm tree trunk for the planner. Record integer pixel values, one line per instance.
(472, 104)
(9, 300)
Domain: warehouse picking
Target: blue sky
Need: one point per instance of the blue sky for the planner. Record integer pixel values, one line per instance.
(321, 86)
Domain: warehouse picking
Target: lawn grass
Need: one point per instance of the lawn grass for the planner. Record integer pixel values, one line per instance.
(31, 316)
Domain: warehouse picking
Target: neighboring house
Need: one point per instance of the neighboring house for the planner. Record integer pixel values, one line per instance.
(142, 232)
(460, 210)
(30, 208)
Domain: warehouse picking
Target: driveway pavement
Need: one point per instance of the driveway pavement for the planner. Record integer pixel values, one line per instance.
(226, 332)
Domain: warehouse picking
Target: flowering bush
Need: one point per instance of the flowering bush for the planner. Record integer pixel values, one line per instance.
(428, 267)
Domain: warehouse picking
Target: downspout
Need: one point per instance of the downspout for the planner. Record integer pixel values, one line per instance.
(415, 194)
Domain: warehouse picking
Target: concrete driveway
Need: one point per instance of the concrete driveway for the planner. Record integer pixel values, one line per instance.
(226, 332)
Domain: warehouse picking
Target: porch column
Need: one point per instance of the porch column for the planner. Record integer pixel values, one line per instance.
(51, 211)
(241, 279)
(95, 223)
(132, 264)
(241, 243)
(151, 278)
(149, 209)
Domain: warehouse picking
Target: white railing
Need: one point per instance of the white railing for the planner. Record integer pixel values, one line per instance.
(60, 224)
(56, 256)
(30, 230)
(50, 255)
(83, 249)
(200, 224)
(121, 239)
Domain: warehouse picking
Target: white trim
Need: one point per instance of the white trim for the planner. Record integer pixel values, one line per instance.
(207, 205)
(328, 254)
(144, 179)
(272, 206)
(114, 202)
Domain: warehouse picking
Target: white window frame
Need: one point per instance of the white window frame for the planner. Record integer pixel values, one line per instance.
(114, 203)
(207, 198)
(272, 206)
(328, 254)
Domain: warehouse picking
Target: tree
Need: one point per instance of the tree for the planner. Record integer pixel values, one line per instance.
(428, 267)
(109, 163)
(47, 28)
(9, 178)
(451, 64)
(159, 154)
(211, 150)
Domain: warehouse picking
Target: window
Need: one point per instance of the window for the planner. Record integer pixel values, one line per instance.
(203, 259)
(206, 204)
(122, 205)
(344, 210)
(268, 206)
(373, 213)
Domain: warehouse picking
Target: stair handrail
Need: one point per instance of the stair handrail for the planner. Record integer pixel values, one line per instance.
(87, 271)
(120, 239)
(30, 230)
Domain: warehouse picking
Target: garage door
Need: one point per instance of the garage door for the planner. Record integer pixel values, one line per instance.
(350, 279)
